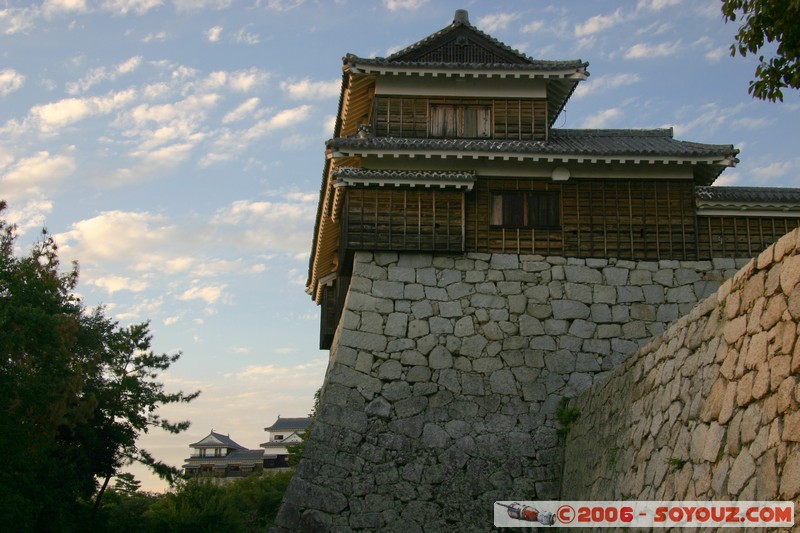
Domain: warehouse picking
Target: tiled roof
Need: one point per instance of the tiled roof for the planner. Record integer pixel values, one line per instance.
(223, 439)
(532, 65)
(763, 195)
(235, 457)
(425, 178)
(278, 444)
(562, 142)
(293, 424)
(461, 22)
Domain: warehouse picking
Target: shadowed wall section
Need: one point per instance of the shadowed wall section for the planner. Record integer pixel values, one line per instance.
(707, 411)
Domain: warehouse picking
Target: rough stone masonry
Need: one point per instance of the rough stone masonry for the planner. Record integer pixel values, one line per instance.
(708, 411)
(446, 373)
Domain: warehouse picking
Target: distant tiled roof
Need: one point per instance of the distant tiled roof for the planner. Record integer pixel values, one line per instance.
(763, 195)
(235, 457)
(562, 142)
(223, 439)
(278, 444)
(293, 424)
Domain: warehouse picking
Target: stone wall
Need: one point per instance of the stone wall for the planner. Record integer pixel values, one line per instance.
(446, 372)
(708, 411)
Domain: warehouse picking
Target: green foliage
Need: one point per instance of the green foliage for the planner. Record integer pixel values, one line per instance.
(764, 22)
(79, 389)
(676, 463)
(566, 416)
(245, 505)
(296, 450)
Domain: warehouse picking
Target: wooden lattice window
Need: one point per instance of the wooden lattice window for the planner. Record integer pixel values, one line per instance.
(526, 209)
(466, 122)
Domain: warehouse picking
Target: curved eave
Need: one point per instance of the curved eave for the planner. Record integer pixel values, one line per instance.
(565, 157)
(459, 71)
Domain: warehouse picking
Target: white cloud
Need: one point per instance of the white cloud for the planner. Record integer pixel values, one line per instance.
(10, 81)
(114, 284)
(244, 110)
(599, 23)
(283, 5)
(160, 37)
(647, 51)
(200, 5)
(611, 81)
(32, 176)
(533, 27)
(213, 34)
(229, 143)
(705, 119)
(656, 28)
(238, 81)
(280, 226)
(728, 178)
(246, 37)
(657, 5)
(116, 236)
(315, 90)
(773, 170)
(717, 53)
(210, 294)
(51, 7)
(101, 74)
(49, 118)
(601, 119)
(410, 5)
(751, 123)
(289, 117)
(123, 7)
(31, 216)
(496, 21)
(15, 20)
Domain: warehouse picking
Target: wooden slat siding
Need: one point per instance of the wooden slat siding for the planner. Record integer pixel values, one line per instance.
(408, 116)
(600, 218)
(740, 236)
(407, 219)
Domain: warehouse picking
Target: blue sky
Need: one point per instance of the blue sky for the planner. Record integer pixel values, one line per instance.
(175, 149)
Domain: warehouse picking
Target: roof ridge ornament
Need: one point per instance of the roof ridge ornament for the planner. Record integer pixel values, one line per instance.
(461, 17)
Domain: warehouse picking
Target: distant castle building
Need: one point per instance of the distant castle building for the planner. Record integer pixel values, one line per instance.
(218, 455)
(284, 432)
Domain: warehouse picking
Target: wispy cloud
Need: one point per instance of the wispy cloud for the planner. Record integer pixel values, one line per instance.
(410, 5)
(282, 5)
(602, 118)
(213, 34)
(123, 7)
(657, 5)
(15, 20)
(648, 51)
(314, 90)
(602, 83)
(52, 7)
(114, 284)
(31, 177)
(244, 36)
(200, 5)
(101, 74)
(496, 21)
(244, 110)
(599, 23)
(10, 81)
